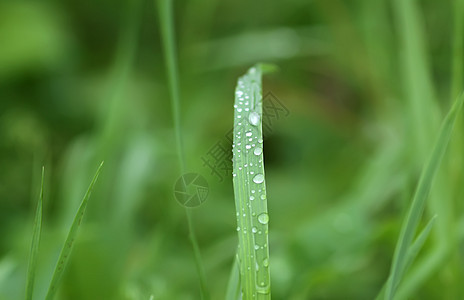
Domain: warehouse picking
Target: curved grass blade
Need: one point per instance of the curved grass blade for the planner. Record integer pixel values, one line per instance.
(415, 248)
(411, 222)
(250, 187)
(412, 252)
(35, 243)
(168, 41)
(69, 243)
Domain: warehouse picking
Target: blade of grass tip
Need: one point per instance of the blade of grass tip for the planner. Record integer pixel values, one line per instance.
(412, 252)
(233, 286)
(168, 38)
(411, 222)
(69, 243)
(31, 271)
(250, 187)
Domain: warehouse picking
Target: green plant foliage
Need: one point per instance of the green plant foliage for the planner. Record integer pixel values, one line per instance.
(250, 187)
(412, 220)
(31, 271)
(70, 239)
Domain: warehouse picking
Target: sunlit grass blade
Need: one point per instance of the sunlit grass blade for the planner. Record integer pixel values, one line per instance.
(233, 286)
(411, 222)
(69, 243)
(35, 243)
(250, 187)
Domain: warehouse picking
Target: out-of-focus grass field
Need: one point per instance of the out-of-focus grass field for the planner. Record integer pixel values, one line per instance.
(363, 86)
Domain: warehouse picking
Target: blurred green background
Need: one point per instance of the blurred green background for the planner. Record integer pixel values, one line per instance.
(365, 82)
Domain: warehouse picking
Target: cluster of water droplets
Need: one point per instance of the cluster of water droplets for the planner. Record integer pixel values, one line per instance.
(252, 217)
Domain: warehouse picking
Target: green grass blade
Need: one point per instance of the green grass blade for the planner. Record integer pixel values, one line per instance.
(168, 40)
(250, 187)
(35, 243)
(411, 222)
(415, 248)
(458, 48)
(196, 252)
(233, 286)
(69, 243)
(423, 111)
(412, 253)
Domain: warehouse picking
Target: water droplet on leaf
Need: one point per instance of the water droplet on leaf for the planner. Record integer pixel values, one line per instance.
(259, 178)
(263, 218)
(254, 118)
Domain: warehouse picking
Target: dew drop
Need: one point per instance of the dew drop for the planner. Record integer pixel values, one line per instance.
(260, 141)
(254, 230)
(259, 178)
(252, 198)
(238, 228)
(256, 247)
(266, 262)
(263, 218)
(258, 151)
(254, 118)
(248, 146)
(263, 197)
(249, 134)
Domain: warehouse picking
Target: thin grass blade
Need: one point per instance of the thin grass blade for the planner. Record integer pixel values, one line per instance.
(411, 222)
(69, 243)
(415, 248)
(412, 252)
(166, 17)
(250, 187)
(31, 271)
(168, 38)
